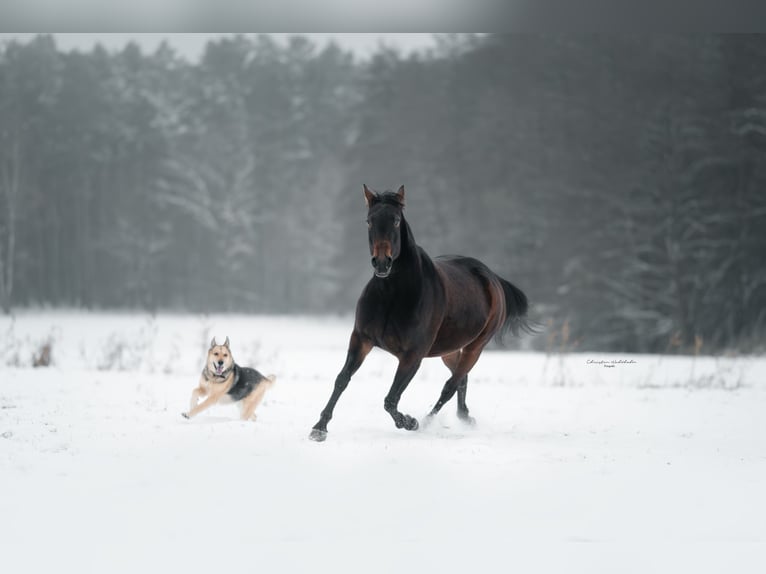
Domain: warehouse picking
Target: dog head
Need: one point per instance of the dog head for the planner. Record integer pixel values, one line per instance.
(219, 359)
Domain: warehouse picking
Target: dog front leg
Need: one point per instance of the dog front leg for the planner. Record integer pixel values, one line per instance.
(200, 391)
(206, 404)
(197, 393)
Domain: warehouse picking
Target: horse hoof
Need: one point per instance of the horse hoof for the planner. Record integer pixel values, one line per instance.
(185, 415)
(411, 423)
(468, 419)
(318, 435)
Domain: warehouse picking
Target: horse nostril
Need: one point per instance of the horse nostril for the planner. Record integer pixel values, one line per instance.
(382, 263)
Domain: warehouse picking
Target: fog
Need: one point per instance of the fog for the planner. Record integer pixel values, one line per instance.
(618, 180)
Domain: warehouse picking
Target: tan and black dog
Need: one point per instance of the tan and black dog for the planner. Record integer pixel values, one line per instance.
(223, 381)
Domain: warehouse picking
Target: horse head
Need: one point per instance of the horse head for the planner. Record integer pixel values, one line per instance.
(384, 221)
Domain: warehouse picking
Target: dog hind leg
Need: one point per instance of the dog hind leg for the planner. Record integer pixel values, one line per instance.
(249, 404)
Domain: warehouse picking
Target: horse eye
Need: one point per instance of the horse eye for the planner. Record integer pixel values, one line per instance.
(397, 222)
(369, 223)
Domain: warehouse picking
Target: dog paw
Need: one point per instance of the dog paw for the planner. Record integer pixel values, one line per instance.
(185, 415)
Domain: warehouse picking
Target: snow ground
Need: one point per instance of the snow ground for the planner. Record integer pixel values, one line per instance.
(653, 466)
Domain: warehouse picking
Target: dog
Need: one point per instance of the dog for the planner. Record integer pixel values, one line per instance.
(223, 381)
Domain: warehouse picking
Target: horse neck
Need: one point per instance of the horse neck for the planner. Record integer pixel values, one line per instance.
(409, 264)
(407, 239)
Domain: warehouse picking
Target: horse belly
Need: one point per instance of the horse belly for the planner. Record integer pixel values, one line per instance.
(468, 306)
(454, 334)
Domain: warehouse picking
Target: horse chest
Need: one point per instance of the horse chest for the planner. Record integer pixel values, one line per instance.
(391, 342)
(400, 334)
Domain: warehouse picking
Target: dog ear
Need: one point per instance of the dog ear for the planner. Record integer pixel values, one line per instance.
(226, 343)
(212, 343)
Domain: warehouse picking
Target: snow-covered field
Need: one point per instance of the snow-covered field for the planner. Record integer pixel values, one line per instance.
(576, 464)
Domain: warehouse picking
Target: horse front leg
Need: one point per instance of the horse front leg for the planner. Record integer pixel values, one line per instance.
(408, 366)
(358, 349)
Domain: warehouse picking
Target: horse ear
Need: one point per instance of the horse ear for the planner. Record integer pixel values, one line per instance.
(400, 194)
(369, 196)
(212, 343)
(226, 343)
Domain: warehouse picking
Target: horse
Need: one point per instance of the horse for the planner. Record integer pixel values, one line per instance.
(416, 307)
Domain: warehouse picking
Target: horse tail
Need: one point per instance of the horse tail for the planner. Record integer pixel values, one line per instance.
(516, 307)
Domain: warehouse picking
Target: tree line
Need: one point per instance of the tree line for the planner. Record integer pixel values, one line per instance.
(619, 180)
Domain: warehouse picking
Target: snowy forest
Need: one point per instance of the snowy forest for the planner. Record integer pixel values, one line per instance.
(620, 181)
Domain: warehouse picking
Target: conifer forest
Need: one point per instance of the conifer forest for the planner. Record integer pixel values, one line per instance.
(620, 181)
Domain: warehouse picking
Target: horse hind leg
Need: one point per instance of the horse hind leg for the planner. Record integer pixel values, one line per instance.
(451, 362)
(462, 408)
(458, 382)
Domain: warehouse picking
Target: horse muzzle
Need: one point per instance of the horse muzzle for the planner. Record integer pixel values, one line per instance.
(382, 266)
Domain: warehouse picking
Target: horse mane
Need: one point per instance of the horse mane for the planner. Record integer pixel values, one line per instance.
(388, 198)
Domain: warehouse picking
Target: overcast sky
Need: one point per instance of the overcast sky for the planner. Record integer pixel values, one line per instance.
(191, 45)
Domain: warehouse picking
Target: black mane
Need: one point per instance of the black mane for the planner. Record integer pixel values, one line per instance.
(388, 198)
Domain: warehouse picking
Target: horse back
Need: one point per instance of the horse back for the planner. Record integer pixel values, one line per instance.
(473, 303)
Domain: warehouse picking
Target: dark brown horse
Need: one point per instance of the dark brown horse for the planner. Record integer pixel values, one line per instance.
(416, 307)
